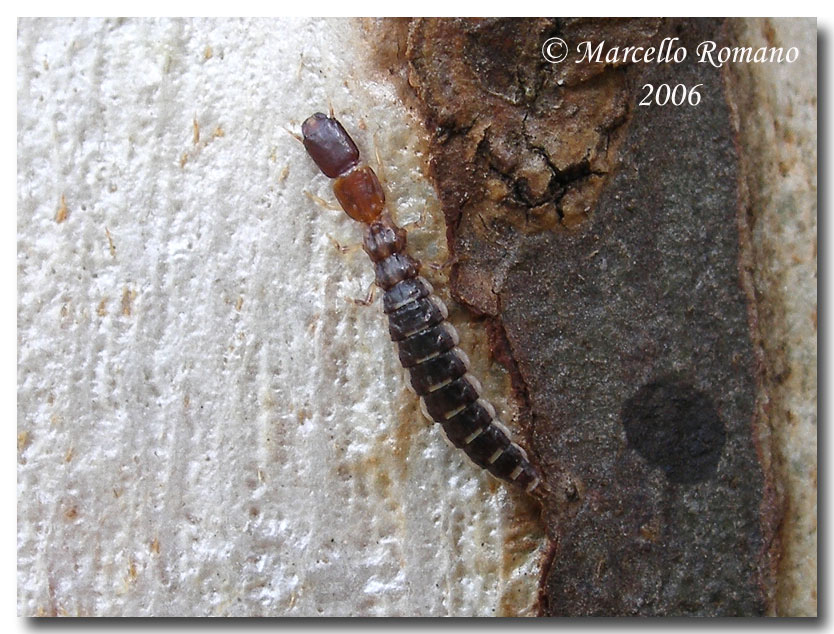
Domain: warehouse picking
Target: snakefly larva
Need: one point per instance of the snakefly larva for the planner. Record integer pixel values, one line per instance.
(427, 343)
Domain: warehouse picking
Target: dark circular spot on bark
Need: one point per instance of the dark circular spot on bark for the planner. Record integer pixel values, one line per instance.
(675, 428)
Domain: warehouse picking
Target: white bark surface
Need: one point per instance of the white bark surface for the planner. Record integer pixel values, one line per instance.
(205, 425)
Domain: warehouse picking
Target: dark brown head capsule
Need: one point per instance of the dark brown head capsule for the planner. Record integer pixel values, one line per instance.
(329, 145)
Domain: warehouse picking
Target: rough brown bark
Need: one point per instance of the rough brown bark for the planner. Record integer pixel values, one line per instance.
(603, 240)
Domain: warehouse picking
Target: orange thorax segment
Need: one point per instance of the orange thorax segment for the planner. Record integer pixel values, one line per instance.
(360, 194)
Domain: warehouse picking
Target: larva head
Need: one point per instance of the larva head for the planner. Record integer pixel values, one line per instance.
(329, 145)
(356, 186)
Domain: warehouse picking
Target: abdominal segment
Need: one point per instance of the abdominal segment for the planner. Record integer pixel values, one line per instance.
(438, 371)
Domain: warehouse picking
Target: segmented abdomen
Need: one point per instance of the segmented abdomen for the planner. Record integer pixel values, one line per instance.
(437, 368)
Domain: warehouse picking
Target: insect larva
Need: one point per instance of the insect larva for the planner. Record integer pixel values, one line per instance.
(427, 344)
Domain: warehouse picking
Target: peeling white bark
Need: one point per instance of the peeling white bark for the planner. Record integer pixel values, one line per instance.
(205, 425)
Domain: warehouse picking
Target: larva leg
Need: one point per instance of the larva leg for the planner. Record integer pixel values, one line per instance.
(369, 296)
(380, 170)
(420, 222)
(341, 248)
(447, 263)
(321, 202)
